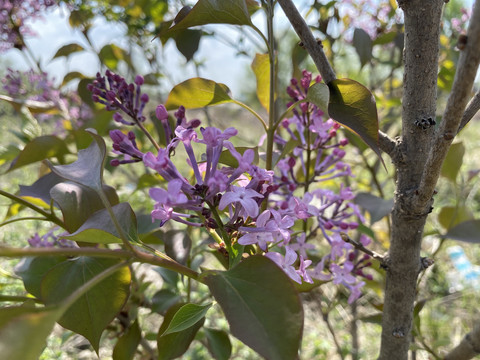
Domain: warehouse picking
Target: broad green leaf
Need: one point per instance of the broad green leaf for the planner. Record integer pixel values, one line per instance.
(377, 207)
(205, 12)
(453, 161)
(40, 189)
(84, 93)
(174, 345)
(100, 229)
(187, 42)
(353, 105)
(24, 330)
(96, 308)
(363, 45)
(72, 76)
(33, 269)
(187, 316)
(88, 169)
(111, 54)
(218, 344)
(127, 344)
(449, 216)
(385, 38)
(78, 202)
(66, 50)
(261, 69)
(261, 305)
(39, 149)
(163, 300)
(197, 93)
(319, 95)
(467, 231)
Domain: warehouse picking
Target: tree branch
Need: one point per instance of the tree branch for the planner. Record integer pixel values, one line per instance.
(387, 144)
(472, 108)
(456, 104)
(468, 348)
(311, 44)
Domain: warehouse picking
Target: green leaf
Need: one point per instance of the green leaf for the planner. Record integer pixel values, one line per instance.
(377, 207)
(33, 269)
(467, 231)
(174, 345)
(40, 189)
(111, 54)
(127, 344)
(88, 169)
(363, 45)
(33, 106)
(453, 161)
(72, 76)
(261, 69)
(449, 216)
(96, 308)
(24, 330)
(205, 12)
(187, 42)
(78, 202)
(187, 316)
(261, 305)
(85, 94)
(218, 344)
(353, 105)
(66, 50)
(163, 300)
(40, 148)
(319, 95)
(385, 38)
(100, 229)
(197, 93)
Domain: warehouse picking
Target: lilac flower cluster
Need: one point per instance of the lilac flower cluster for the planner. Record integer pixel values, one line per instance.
(458, 24)
(116, 94)
(227, 199)
(372, 16)
(13, 16)
(37, 86)
(50, 239)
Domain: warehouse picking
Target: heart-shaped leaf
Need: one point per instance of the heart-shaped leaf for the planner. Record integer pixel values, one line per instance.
(218, 344)
(40, 148)
(187, 316)
(363, 45)
(261, 69)
(24, 330)
(174, 345)
(127, 344)
(96, 308)
(197, 93)
(467, 231)
(353, 105)
(100, 229)
(377, 207)
(68, 49)
(261, 305)
(319, 95)
(205, 12)
(453, 161)
(78, 202)
(40, 189)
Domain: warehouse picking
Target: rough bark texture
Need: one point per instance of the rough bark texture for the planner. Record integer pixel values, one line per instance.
(422, 27)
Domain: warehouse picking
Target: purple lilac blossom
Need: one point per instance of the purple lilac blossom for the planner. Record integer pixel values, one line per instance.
(235, 194)
(50, 239)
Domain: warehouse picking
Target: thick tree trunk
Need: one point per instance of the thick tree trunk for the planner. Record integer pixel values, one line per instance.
(422, 27)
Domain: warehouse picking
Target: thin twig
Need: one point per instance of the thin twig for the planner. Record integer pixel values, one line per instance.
(468, 348)
(362, 248)
(472, 108)
(311, 44)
